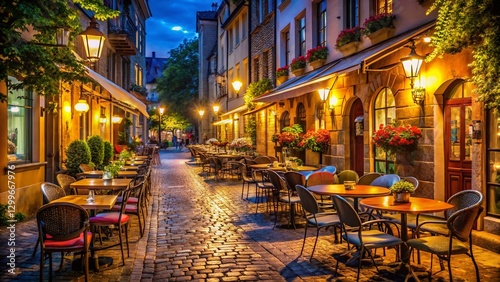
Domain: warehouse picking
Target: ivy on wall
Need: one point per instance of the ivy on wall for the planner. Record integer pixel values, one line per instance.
(256, 89)
(472, 24)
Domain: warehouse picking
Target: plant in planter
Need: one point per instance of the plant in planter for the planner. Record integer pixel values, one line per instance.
(401, 191)
(96, 146)
(349, 35)
(108, 153)
(298, 65)
(111, 171)
(375, 23)
(125, 155)
(283, 71)
(77, 153)
(318, 55)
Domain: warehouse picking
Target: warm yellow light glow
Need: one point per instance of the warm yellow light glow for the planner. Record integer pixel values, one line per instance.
(103, 119)
(14, 109)
(237, 85)
(334, 101)
(116, 119)
(162, 110)
(82, 106)
(93, 41)
(427, 39)
(323, 93)
(412, 64)
(67, 107)
(201, 112)
(216, 108)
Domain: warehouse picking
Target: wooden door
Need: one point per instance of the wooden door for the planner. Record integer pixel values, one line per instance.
(356, 124)
(458, 145)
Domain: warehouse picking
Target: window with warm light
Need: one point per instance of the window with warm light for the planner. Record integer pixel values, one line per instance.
(19, 125)
(384, 113)
(284, 120)
(493, 159)
(382, 6)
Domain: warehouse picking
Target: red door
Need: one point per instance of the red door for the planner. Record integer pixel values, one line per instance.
(356, 122)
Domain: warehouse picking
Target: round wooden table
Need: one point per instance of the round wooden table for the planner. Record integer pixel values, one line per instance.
(359, 191)
(415, 206)
(282, 168)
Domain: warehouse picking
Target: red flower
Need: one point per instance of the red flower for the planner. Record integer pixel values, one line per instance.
(393, 139)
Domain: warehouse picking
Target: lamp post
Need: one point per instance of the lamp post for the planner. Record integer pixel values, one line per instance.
(201, 112)
(93, 41)
(216, 108)
(161, 111)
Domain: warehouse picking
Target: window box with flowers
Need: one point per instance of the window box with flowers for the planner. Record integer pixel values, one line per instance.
(242, 144)
(400, 141)
(348, 40)
(316, 57)
(282, 74)
(380, 27)
(316, 141)
(298, 65)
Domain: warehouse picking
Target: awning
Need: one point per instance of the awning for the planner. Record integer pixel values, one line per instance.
(117, 92)
(235, 110)
(224, 121)
(316, 79)
(259, 109)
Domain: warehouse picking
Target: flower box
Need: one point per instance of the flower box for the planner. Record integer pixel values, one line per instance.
(349, 48)
(298, 63)
(348, 36)
(317, 63)
(281, 79)
(299, 72)
(397, 139)
(379, 27)
(381, 34)
(317, 56)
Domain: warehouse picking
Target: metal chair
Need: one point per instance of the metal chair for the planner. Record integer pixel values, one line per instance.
(314, 216)
(63, 227)
(354, 232)
(283, 194)
(319, 178)
(329, 168)
(459, 222)
(386, 180)
(350, 175)
(264, 187)
(263, 160)
(247, 178)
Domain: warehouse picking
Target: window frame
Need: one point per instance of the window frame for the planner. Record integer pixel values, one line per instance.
(388, 161)
(322, 23)
(351, 13)
(26, 98)
(301, 36)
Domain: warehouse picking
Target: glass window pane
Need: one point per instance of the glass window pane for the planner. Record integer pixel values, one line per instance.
(390, 98)
(380, 100)
(19, 125)
(468, 132)
(455, 133)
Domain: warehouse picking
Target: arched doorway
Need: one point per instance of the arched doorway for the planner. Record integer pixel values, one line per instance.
(458, 137)
(356, 126)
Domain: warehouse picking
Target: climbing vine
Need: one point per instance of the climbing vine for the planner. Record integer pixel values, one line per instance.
(256, 89)
(472, 24)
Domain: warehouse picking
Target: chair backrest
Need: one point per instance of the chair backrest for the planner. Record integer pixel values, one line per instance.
(329, 168)
(349, 175)
(277, 181)
(51, 192)
(386, 180)
(461, 221)
(368, 178)
(347, 214)
(244, 172)
(64, 180)
(263, 160)
(86, 167)
(250, 162)
(320, 177)
(307, 200)
(412, 180)
(260, 175)
(273, 158)
(61, 221)
(293, 178)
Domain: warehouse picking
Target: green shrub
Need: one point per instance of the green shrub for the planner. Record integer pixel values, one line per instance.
(108, 153)
(256, 89)
(96, 145)
(78, 152)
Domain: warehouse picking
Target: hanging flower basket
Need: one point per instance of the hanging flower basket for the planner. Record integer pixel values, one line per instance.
(298, 65)
(349, 37)
(397, 139)
(316, 57)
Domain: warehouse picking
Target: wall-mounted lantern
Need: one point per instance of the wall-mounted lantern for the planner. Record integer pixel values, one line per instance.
(412, 64)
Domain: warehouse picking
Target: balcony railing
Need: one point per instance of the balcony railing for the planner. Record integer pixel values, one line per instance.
(122, 35)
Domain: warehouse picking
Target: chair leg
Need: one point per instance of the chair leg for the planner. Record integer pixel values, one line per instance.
(449, 268)
(475, 265)
(359, 262)
(50, 266)
(315, 241)
(86, 265)
(36, 247)
(120, 237)
(242, 188)
(126, 240)
(304, 241)
(62, 261)
(42, 262)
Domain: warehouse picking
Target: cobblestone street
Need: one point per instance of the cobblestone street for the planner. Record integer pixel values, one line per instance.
(200, 229)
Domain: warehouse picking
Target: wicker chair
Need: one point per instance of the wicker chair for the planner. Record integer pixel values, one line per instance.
(314, 216)
(459, 223)
(86, 167)
(63, 227)
(263, 160)
(359, 234)
(64, 180)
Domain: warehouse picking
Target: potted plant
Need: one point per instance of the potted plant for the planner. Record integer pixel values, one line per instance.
(397, 139)
(298, 65)
(379, 27)
(316, 141)
(348, 40)
(125, 155)
(77, 153)
(401, 191)
(96, 145)
(111, 171)
(316, 57)
(282, 74)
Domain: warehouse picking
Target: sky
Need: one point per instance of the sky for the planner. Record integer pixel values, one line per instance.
(172, 21)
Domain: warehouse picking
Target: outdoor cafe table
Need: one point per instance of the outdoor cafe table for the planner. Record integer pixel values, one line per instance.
(101, 184)
(134, 163)
(129, 167)
(360, 191)
(415, 206)
(101, 202)
(227, 156)
(138, 158)
(282, 168)
(121, 174)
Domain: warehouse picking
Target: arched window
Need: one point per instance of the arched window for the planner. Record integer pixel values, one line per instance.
(301, 116)
(384, 113)
(284, 120)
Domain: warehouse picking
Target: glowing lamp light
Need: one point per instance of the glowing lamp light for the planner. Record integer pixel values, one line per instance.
(103, 119)
(323, 94)
(412, 64)
(237, 85)
(82, 106)
(216, 108)
(93, 41)
(14, 109)
(333, 102)
(201, 112)
(162, 110)
(67, 107)
(116, 119)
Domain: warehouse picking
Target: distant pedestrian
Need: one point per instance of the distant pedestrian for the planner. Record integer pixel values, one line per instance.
(174, 142)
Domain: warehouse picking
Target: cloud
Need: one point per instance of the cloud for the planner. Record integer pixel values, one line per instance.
(172, 22)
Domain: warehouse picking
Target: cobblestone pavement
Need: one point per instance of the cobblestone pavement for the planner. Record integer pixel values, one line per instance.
(200, 229)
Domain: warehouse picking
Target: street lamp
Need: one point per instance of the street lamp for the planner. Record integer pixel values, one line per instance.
(161, 111)
(216, 108)
(412, 64)
(237, 86)
(93, 41)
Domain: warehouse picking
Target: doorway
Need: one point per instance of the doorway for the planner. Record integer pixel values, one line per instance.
(356, 126)
(458, 139)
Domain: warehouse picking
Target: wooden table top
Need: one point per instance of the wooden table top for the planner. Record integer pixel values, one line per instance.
(282, 168)
(134, 163)
(140, 157)
(415, 206)
(360, 191)
(99, 183)
(129, 167)
(229, 156)
(101, 202)
(125, 173)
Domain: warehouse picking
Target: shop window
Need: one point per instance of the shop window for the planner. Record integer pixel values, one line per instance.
(493, 156)
(284, 120)
(301, 116)
(382, 6)
(19, 125)
(384, 113)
